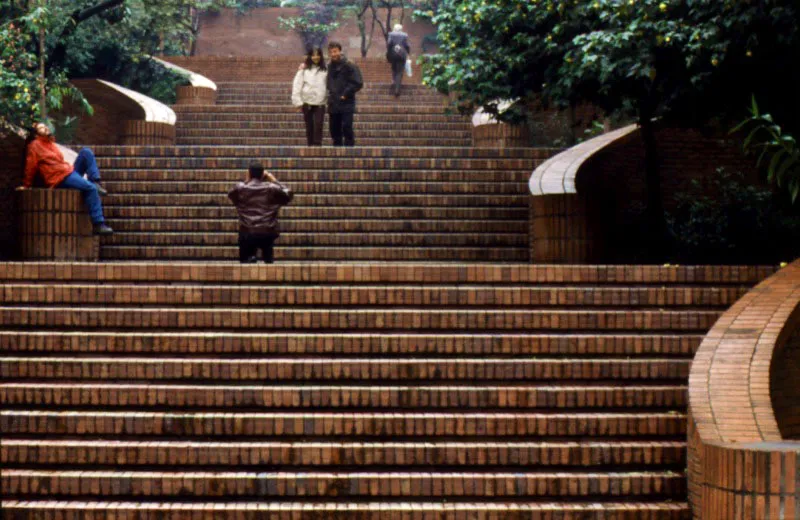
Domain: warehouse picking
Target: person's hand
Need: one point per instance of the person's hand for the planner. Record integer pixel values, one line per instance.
(270, 177)
(302, 66)
(22, 188)
(344, 98)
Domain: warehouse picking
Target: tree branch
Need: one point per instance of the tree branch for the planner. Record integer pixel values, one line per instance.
(78, 16)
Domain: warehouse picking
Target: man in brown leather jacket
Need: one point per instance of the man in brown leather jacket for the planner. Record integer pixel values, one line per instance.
(258, 203)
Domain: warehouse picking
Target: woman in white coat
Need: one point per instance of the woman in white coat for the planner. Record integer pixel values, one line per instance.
(310, 94)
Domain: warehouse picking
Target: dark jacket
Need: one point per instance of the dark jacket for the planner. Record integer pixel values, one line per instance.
(397, 46)
(344, 79)
(258, 203)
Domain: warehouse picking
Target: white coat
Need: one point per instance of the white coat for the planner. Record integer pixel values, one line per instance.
(309, 87)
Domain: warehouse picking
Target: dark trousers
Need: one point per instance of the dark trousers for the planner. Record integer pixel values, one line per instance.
(250, 243)
(314, 116)
(398, 68)
(342, 126)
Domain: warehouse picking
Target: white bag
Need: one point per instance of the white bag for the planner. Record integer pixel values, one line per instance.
(408, 67)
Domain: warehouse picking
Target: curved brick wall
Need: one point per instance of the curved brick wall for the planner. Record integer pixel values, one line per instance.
(744, 413)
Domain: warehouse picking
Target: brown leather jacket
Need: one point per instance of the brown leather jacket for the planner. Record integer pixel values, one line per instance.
(258, 203)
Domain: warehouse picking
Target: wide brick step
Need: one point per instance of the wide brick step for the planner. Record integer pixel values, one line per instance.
(279, 455)
(341, 153)
(313, 239)
(390, 214)
(299, 131)
(330, 187)
(372, 98)
(333, 370)
(359, 126)
(346, 344)
(439, 296)
(441, 510)
(390, 426)
(362, 319)
(357, 273)
(301, 141)
(389, 109)
(226, 86)
(319, 201)
(324, 254)
(277, 160)
(285, 485)
(430, 177)
(54, 395)
(292, 116)
(329, 225)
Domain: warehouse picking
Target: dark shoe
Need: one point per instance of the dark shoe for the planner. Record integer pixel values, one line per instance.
(250, 260)
(101, 190)
(102, 229)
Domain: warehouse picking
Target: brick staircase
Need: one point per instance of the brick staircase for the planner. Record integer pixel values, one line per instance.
(333, 388)
(351, 391)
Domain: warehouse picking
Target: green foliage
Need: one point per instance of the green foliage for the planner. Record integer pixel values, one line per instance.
(726, 220)
(771, 142)
(643, 58)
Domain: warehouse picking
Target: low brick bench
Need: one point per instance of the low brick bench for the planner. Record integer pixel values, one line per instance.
(744, 422)
(54, 225)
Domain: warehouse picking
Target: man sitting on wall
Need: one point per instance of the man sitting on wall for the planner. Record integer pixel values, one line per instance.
(44, 157)
(258, 203)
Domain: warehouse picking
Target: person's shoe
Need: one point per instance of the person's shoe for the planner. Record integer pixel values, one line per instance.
(250, 260)
(103, 229)
(101, 190)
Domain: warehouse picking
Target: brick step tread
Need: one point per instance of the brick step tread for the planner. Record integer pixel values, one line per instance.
(363, 106)
(273, 161)
(378, 295)
(65, 395)
(388, 176)
(361, 425)
(231, 225)
(193, 342)
(356, 239)
(88, 510)
(322, 454)
(277, 98)
(402, 253)
(391, 214)
(301, 141)
(428, 371)
(151, 484)
(327, 187)
(299, 131)
(152, 151)
(387, 119)
(290, 125)
(394, 272)
(324, 199)
(361, 319)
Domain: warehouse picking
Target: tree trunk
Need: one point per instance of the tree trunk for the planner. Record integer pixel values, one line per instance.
(42, 71)
(656, 219)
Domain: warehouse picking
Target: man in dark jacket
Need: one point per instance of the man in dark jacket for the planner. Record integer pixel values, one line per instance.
(397, 51)
(344, 80)
(258, 203)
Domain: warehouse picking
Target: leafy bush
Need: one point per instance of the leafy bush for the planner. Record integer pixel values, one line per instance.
(726, 220)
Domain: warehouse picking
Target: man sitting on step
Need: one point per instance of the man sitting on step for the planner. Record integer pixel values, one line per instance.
(44, 156)
(258, 203)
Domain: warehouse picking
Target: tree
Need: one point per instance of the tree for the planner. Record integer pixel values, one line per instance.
(683, 61)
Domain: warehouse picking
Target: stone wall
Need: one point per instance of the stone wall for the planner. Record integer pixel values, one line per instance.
(258, 33)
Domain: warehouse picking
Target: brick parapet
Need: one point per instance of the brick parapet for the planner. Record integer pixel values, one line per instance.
(742, 436)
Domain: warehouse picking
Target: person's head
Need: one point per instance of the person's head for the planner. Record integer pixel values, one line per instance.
(397, 27)
(315, 58)
(42, 129)
(256, 171)
(335, 51)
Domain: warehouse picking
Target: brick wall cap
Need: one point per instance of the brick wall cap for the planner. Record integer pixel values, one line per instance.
(195, 79)
(481, 117)
(557, 175)
(154, 111)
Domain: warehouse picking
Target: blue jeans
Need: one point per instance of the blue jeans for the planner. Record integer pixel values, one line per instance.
(75, 181)
(86, 163)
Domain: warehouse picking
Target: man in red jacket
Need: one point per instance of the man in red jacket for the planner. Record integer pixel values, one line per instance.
(44, 157)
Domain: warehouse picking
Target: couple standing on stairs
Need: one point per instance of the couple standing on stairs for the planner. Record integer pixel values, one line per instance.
(317, 86)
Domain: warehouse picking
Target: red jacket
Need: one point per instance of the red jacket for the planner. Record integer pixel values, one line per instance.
(45, 157)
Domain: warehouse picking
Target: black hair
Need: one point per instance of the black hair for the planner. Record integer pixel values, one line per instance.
(334, 45)
(310, 63)
(256, 171)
